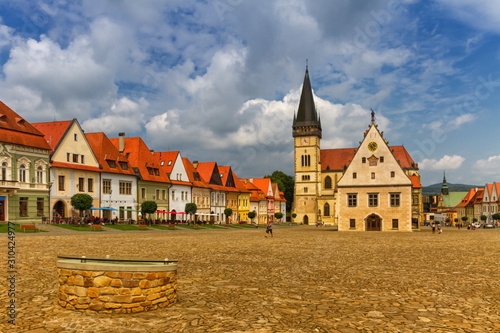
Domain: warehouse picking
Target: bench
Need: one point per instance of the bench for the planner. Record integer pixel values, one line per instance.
(142, 226)
(96, 227)
(25, 227)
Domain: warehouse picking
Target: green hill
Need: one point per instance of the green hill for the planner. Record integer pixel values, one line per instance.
(435, 189)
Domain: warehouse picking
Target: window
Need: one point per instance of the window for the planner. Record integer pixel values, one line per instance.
(173, 195)
(381, 159)
(82, 159)
(106, 186)
(124, 165)
(4, 171)
(352, 223)
(306, 190)
(121, 213)
(352, 199)
(75, 158)
(75, 137)
(393, 174)
(143, 193)
(22, 173)
(373, 175)
(373, 161)
(150, 171)
(81, 184)
(306, 160)
(68, 157)
(395, 224)
(328, 182)
(23, 206)
(157, 194)
(306, 177)
(90, 185)
(129, 212)
(39, 175)
(415, 199)
(395, 199)
(111, 163)
(363, 160)
(39, 206)
(60, 183)
(157, 172)
(125, 188)
(354, 175)
(163, 195)
(326, 209)
(373, 199)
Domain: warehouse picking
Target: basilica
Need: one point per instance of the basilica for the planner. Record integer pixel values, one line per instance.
(373, 187)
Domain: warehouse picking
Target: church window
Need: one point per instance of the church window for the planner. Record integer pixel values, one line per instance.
(373, 199)
(393, 174)
(326, 209)
(354, 175)
(352, 199)
(306, 189)
(395, 224)
(395, 199)
(381, 159)
(352, 223)
(373, 175)
(328, 182)
(363, 160)
(306, 177)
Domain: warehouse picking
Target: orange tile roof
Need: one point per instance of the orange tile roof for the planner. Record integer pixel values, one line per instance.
(209, 172)
(194, 176)
(262, 184)
(337, 159)
(415, 181)
(53, 131)
(167, 159)
(56, 164)
(15, 129)
(467, 198)
(140, 157)
(105, 151)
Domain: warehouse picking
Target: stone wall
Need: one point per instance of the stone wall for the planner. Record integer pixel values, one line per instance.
(116, 292)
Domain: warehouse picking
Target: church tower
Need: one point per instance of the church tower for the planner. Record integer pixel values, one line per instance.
(444, 188)
(307, 135)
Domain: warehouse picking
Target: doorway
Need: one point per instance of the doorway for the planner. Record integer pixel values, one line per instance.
(373, 223)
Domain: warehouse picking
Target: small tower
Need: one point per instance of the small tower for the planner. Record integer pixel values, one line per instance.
(444, 187)
(306, 131)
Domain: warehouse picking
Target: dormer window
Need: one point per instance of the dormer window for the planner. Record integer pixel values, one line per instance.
(169, 163)
(124, 165)
(111, 163)
(3, 117)
(162, 163)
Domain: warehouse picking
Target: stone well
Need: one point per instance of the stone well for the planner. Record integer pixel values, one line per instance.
(116, 285)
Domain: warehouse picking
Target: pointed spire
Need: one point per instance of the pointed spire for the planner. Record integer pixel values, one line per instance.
(444, 187)
(306, 114)
(373, 117)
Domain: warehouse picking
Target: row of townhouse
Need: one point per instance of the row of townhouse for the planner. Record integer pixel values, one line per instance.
(45, 164)
(480, 202)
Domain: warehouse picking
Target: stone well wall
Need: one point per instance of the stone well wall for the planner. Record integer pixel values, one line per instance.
(115, 291)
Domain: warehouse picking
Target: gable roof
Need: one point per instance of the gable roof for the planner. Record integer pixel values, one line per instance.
(106, 153)
(167, 161)
(210, 174)
(467, 198)
(264, 185)
(15, 129)
(54, 131)
(141, 158)
(193, 174)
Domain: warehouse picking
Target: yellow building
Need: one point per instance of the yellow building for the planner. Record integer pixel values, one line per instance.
(372, 187)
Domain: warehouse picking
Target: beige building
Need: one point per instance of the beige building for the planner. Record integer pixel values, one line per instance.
(372, 187)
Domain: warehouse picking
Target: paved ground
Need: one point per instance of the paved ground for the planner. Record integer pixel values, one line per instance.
(305, 279)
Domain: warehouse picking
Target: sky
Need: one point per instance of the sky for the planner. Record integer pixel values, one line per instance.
(220, 80)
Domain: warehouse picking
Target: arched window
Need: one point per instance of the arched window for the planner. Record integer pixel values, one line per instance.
(326, 209)
(22, 173)
(328, 182)
(39, 175)
(4, 171)
(306, 160)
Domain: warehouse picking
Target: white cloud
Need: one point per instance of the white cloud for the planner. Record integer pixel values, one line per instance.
(445, 163)
(482, 14)
(489, 166)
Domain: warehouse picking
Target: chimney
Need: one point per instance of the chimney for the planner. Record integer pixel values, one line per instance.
(121, 142)
(195, 164)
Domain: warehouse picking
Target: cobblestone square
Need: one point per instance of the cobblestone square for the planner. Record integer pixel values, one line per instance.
(305, 279)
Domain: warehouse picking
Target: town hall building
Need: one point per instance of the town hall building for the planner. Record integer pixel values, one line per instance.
(374, 187)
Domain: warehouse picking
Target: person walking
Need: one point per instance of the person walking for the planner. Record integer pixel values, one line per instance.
(269, 228)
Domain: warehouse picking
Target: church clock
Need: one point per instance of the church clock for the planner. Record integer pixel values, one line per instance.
(372, 146)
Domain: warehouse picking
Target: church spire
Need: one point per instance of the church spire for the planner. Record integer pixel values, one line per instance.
(306, 117)
(444, 187)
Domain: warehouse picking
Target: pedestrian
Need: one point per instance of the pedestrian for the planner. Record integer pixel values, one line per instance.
(439, 229)
(269, 228)
(433, 228)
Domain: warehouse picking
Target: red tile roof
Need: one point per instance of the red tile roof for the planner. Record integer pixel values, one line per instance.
(467, 198)
(141, 157)
(194, 176)
(262, 184)
(415, 182)
(15, 129)
(53, 131)
(337, 159)
(105, 151)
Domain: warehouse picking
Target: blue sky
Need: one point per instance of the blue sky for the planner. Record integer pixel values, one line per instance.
(219, 80)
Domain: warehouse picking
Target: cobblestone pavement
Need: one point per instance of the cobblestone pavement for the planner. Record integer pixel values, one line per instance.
(305, 279)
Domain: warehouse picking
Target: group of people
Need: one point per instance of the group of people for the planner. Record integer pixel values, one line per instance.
(438, 227)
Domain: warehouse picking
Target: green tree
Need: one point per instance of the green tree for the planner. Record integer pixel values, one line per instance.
(190, 209)
(82, 202)
(465, 218)
(474, 219)
(496, 216)
(278, 215)
(483, 218)
(252, 215)
(148, 207)
(228, 212)
(285, 184)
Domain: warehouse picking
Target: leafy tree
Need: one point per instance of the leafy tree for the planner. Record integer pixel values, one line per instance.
(228, 212)
(483, 218)
(252, 215)
(496, 216)
(464, 218)
(190, 209)
(293, 216)
(148, 207)
(278, 215)
(456, 220)
(474, 220)
(285, 184)
(82, 202)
